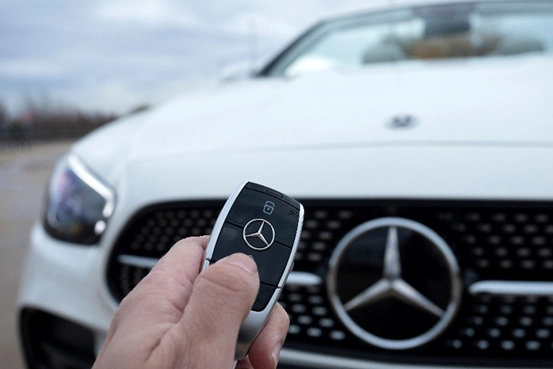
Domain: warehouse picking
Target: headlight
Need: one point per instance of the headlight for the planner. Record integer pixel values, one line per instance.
(78, 204)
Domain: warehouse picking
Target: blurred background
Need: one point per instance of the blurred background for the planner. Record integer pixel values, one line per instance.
(69, 67)
(112, 57)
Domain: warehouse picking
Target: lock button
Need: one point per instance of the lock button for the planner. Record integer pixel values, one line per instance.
(269, 207)
(253, 204)
(269, 191)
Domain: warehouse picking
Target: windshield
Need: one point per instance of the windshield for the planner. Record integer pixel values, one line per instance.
(437, 32)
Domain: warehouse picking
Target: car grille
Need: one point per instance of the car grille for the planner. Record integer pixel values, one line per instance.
(492, 241)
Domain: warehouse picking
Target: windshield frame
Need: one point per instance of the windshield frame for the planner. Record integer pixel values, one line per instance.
(277, 66)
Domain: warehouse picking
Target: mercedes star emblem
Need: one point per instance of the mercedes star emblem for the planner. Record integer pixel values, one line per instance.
(402, 121)
(258, 234)
(394, 283)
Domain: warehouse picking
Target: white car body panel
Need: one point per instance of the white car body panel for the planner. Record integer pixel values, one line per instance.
(68, 287)
(228, 120)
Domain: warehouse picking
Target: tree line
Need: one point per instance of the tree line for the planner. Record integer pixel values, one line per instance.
(40, 122)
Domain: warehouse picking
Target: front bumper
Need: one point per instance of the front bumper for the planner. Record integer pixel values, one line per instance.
(61, 296)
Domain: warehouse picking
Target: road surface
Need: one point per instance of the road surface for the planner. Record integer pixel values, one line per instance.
(24, 172)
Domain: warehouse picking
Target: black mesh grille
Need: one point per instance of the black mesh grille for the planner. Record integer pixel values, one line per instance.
(509, 241)
(151, 233)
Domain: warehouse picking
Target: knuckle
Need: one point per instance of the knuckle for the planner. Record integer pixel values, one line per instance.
(229, 278)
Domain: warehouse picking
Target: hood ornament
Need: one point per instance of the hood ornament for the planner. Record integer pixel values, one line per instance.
(402, 121)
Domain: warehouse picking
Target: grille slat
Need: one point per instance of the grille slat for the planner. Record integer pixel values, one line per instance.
(492, 241)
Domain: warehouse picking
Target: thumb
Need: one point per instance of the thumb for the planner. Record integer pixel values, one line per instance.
(222, 297)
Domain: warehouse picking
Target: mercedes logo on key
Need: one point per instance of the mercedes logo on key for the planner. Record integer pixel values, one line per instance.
(258, 234)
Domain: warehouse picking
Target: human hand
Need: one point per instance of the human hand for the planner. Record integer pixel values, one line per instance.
(177, 317)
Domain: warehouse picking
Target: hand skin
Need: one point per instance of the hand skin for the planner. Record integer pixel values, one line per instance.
(177, 317)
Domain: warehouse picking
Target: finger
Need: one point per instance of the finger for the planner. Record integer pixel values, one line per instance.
(165, 291)
(222, 297)
(158, 301)
(244, 364)
(265, 350)
(178, 269)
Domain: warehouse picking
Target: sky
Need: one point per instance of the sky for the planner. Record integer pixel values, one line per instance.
(114, 55)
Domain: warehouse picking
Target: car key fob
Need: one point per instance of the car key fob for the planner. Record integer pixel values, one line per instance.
(266, 225)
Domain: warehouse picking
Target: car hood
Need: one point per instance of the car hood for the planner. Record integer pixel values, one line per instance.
(466, 102)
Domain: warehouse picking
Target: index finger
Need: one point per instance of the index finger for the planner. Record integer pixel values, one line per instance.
(171, 279)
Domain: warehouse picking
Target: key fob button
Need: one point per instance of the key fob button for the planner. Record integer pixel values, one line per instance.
(271, 262)
(257, 187)
(257, 205)
(263, 296)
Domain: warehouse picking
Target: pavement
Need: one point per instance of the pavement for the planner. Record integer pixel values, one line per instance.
(24, 172)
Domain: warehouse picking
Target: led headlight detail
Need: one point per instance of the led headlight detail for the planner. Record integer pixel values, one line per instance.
(78, 204)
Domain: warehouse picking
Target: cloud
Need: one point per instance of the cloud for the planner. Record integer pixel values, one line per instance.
(31, 69)
(120, 53)
(160, 13)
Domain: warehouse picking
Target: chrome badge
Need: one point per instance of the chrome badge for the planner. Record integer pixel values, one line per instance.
(258, 234)
(394, 283)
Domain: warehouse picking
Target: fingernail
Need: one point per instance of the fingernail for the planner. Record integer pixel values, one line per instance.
(243, 261)
(276, 354)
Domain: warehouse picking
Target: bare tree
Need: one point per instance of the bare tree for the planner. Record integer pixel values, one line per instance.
(3, 115)
(43, 119)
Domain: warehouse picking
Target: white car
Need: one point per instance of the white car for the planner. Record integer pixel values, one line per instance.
(419, 140)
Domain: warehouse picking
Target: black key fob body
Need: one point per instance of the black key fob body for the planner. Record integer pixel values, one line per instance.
(266, 225)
